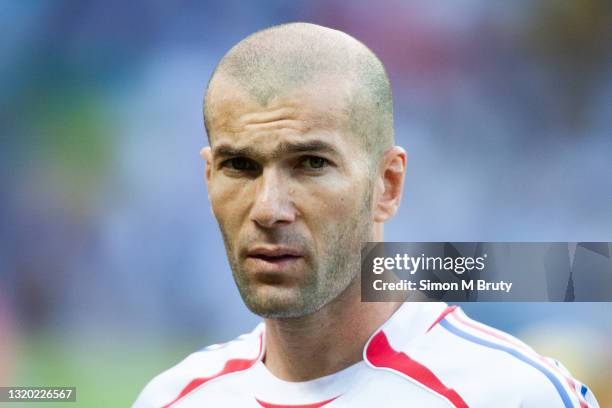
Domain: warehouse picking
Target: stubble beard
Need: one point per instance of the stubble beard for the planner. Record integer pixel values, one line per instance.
(326, 277)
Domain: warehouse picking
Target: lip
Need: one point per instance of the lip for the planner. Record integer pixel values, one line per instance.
(274, 252)
(273, 259)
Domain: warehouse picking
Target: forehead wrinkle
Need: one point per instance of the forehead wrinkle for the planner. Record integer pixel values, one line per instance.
(301, 120)
(282, 124)
(264, 116)
(282, 128)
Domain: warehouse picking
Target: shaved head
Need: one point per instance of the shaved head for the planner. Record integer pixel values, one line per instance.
(279, 60)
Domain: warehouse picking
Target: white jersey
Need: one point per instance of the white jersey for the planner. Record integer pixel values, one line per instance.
(425, 355)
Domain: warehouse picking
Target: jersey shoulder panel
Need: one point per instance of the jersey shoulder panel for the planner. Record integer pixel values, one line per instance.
(200, 367)
(486, 366)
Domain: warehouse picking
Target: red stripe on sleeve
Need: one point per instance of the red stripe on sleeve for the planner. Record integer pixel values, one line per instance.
(446, 311)
(231, 366)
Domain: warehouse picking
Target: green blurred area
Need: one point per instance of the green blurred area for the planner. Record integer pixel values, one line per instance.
(105, 372)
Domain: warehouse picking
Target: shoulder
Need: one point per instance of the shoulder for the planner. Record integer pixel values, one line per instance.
(473, 364)
(200, 367)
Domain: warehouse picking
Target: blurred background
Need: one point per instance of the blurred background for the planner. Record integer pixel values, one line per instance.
(112, 268)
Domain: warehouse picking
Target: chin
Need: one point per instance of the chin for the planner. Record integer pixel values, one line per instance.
(277, 303)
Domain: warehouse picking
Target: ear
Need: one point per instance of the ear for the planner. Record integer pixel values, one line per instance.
(389, 184)
(206, 154)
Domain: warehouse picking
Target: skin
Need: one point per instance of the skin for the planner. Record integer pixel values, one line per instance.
(289, 174)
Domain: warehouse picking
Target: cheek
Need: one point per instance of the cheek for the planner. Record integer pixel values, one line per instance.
(229, 203)
(333, 202)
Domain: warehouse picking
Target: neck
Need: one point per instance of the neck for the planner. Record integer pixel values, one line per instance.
(329, 340)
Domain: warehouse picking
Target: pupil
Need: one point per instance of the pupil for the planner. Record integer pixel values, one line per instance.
(240, 164)
(316, 162)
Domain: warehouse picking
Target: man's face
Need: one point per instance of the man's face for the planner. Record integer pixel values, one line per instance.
(290, 189)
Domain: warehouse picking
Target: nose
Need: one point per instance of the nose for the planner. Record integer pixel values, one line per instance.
(273, 205)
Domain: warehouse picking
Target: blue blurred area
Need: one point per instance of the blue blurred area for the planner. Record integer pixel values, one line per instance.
(505, 111)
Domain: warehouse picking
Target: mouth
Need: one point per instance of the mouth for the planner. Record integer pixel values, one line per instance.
(273, 259)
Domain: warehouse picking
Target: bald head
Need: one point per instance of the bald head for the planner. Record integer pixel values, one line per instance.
(279, 60)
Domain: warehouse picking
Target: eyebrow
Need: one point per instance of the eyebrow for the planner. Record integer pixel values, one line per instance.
(313, 146)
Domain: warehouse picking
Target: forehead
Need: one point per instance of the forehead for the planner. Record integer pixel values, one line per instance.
(319, 109)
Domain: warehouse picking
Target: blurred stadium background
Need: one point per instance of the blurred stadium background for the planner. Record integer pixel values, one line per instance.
(111, 265)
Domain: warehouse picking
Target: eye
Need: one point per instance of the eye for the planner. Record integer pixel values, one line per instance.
(314, 162)
(240, 164)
